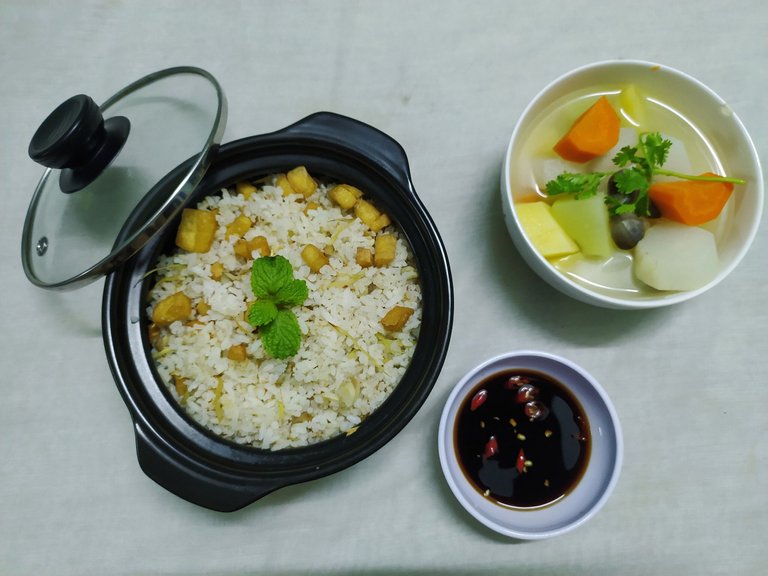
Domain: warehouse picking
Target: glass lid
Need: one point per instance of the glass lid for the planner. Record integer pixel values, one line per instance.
(148, 145)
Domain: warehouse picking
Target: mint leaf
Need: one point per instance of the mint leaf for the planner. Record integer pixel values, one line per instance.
(274, 286)
(292, 293)
(262, 312)
(582, 185)
(269, 274)
(282, 336)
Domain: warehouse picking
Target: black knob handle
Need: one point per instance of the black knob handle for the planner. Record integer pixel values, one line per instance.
(76, 139)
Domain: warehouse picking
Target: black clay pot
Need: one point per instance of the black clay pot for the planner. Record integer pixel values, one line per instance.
(194, 463)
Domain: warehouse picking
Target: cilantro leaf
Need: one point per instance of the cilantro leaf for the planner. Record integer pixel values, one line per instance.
(583, 185)
(655, 149)
(269, 274)
(628, 192)
(623, 209)
(627, 155)
(292, 293)
(282, 336)
(631, 181)
(262, 312)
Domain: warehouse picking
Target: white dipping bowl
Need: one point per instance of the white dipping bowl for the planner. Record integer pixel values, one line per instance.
(602, 469)
(718, 125)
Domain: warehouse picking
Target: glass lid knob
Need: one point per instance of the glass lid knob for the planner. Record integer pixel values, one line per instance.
(76, 139)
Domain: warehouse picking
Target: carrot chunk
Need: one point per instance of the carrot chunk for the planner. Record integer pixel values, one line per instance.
(691, 202)
(593, 134)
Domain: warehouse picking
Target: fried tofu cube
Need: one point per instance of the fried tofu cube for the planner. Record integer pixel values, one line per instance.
(367, 212)
(238, 353)
(311, 205)
(241, 249)
(381, 222)
(217, 270)
(245, 189)
(239, 226)
(371, 216)
(384, 249)
(196, 230)
(395, 319)
(314, 257)
(301, 182)
(364, 257)
(259, 244)
(281, 181)
(175, 307)
(345, 196)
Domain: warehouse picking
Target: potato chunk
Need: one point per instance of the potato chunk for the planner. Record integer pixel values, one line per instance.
(245, 189)
(384, 249)
(543, 231)
(364, 257)
(301, 182)
(345, 196)
(196, 230)
(396, 318)
(175, 307)
(314, 257)
(239, 226)
(238, 353)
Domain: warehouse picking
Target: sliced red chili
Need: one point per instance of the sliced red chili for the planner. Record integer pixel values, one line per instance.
(520, 464)
(491, 447)
(478, 399)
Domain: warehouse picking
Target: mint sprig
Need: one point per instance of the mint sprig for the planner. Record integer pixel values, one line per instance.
(276, 289)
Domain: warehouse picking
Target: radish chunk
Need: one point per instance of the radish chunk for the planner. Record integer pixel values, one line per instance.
(674, 256)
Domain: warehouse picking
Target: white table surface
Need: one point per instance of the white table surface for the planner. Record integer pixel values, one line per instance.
(447, 80)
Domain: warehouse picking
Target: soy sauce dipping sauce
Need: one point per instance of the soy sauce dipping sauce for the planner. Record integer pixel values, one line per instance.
(522, 439)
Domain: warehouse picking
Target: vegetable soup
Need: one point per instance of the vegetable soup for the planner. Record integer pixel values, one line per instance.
(622, 193)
